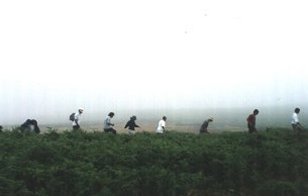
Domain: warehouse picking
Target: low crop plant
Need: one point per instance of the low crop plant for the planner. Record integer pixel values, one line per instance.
(273, 162)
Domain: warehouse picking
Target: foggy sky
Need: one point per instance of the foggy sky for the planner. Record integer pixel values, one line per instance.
(117, 55)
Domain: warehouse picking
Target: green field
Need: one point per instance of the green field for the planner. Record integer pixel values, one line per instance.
(273, 162)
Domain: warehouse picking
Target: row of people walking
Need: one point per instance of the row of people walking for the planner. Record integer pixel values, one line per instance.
(109, 126)
(161, 127)
(31, 125)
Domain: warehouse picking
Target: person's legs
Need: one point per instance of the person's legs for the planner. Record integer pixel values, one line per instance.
(251, 128)
(131, 132)
(76, 127)
(294, 127)
(110, 130)
(204, 131)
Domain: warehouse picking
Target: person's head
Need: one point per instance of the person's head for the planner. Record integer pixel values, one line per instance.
(210, 119)
(256, 112)
(80, 110)
(111, 114)
(28, 122)
(133, 118)
(34, 122)
(297, 110)
(164, 118)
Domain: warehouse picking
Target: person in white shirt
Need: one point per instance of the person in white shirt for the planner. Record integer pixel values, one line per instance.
(161, 128)
(108, 126)
(295, 121)
(77, 116)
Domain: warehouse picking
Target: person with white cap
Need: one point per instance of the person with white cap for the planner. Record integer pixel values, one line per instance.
(76, 121)
(203, 128)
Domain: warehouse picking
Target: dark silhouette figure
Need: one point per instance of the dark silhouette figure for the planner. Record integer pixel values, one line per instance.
(30, 126)
(203, 128)
(251, 121)
(131, 124)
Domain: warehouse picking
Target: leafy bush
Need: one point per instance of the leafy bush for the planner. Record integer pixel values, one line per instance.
(274, 162)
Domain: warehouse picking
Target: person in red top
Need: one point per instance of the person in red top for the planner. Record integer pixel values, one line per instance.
(251, 121)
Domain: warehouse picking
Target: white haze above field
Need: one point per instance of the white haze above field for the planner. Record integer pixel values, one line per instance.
(158, 56)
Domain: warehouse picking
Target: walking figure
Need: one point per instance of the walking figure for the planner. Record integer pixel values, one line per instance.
(75, 117)
(161, 128)
(203, 128)
(131, 124)
(295, 121)
(251, 121)
(108, 126)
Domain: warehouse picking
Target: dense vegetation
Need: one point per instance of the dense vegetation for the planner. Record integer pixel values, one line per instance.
(273, 162)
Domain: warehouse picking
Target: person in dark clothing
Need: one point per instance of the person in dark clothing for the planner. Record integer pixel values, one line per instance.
(203, 128)
(1, 128)
(131, 124)
(30, 126)
(251, 121)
